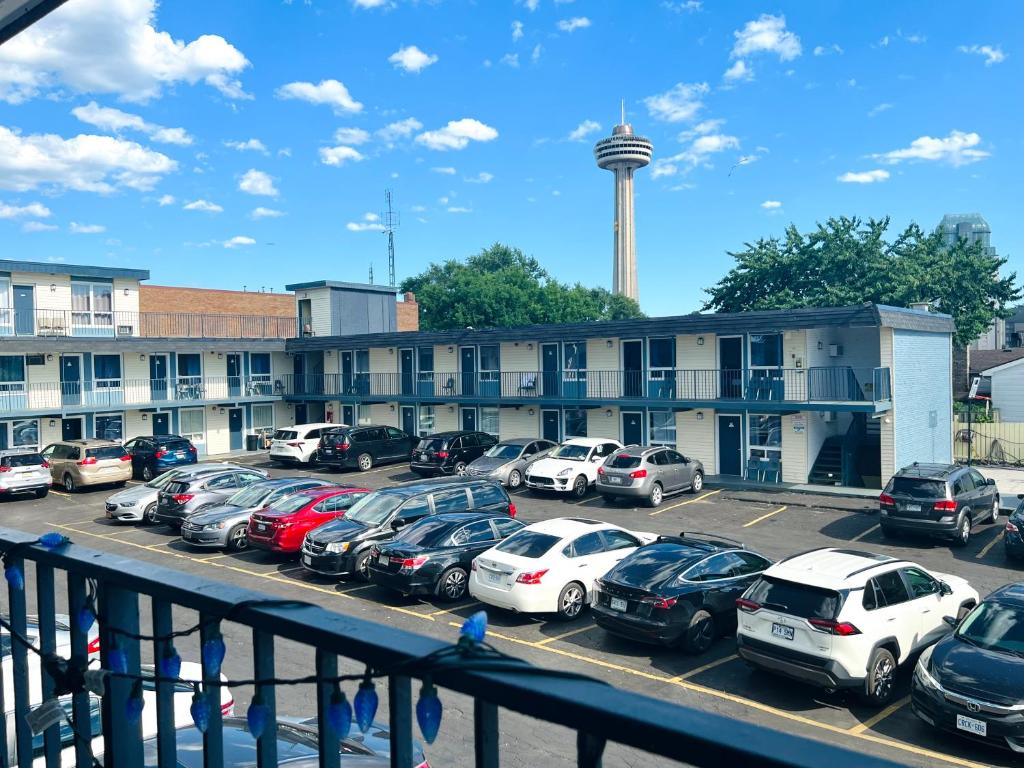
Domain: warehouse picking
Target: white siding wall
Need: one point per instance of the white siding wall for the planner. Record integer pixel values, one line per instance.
(48, 434)
(383, 361)
(60, 298)
(888, 437)
(795, 461)
(283, 415)
(218, 438)
(126, 299)
(320, 309)
(517, 357)
(1008, 393)
(381, 413)
(691, 356)
(794, 348)
(445, 420)
(600, 425)
(696, 438)
(604, 362)
(135, 373)
(134, 426)
(215, 372)
(518, 423)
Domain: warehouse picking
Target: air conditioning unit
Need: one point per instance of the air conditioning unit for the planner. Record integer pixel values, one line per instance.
(835, 350)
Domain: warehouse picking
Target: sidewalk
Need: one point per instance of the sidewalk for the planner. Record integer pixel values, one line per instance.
(797, 494)
(1009, 481)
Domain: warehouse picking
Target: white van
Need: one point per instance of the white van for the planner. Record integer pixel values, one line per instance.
(298, 444)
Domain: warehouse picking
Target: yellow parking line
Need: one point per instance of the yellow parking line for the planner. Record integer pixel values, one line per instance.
(861, 535)
(208, 558)
(871, 722)
(704, 668)
(987, 547)
(451, 608)
(61, 493)
(355, 589)
(584, 501)
(564, 635)
(757, 520)
(684, 503)
(289, 570)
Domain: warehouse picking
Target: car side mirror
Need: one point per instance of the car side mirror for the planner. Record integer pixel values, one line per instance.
(945, 589)
(951, 620)
(990, 481)
(397, 524)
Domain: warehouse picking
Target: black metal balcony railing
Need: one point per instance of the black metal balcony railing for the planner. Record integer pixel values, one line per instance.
(841, 384)
(594, 710)
(99, 324)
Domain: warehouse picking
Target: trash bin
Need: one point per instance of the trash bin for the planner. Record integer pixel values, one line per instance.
(252, 442)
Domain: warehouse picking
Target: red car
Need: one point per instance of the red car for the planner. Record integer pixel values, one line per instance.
(282, 526)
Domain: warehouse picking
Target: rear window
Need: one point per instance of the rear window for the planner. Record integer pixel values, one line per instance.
(488, 495)
(431, 444)
(106, 452)
(528, 544)
(285, 434)
(624, 461)
(916, 488)
(176, 445)
(176, 487)
(428, 532)
(333, 438)
(795, 599)
(23, 460)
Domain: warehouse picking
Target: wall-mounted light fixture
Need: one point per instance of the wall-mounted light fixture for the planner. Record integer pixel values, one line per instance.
(392, 409)
(700, 416)
(142, 356)
(329, 353)
(213, 407)
(821, 344)
(609, 343)
(53, 422)
(222, 410)
(391, 350)
(450, 350)
(531, 412)
(530, 345)
(451, 409)
(126, 291)
(220, 355)
(49, 358)
(289, 406)
(53, 287)
(145, 417)
(700, 341)
(608, 413)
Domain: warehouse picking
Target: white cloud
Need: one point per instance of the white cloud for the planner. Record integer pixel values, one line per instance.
(203, 205)
(510, 60)
(372, 3)
(284, 152)
(402, 129)
(459, 209)
(571, 25)
(738, 72)
(457, 135)
(249, 145)
(679, 103)
(370, 223)
(517, 30)
(770, 205)
(419, 208)
(340, 155)
(256, 182)
(85, 163)
(86, 229)
(993, 53)
(957, 149)
(531, 5)
(95, 46)
(481, 178)
(863, 177)
(704, 126)
(825, 50)
(698, 153)
(330, 92)
(914, 38)
(351, 136)
(884, 42)
(879, 109)
(165, 200)
(766, 34)
(239, 240)
(685, 6)
(535, 54)
(114, 120)
(411, 59)
(583, 130)
(265, 213)
(34, 210)
(447, 170)
(37, 226)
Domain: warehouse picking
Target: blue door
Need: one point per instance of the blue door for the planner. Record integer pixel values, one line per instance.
(348, 415)
(468, 358)
(730, 445)
(409, 419)
(235, 428)
(24, 310)
(549, 426)
(550, 373)
(158, 377)
(234, 362)
(71, 428)
(407, 373)
(347, 386)
(161, 424)
(632, 428)
(469, 419)
(71, 379)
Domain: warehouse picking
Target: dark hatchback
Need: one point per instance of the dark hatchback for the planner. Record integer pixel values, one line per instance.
(154, 455)
(1013, 536)
(679, 590)
(433, 556)
(449, 453)
(971, 682)
(362, 447)
(342, 547)
(943, 500)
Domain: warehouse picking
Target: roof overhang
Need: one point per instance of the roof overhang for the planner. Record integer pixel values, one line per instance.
(18, 15)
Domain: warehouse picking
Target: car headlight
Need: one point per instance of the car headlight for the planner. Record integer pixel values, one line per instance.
(127, 504)
(338, 547)
(213, 526)
(566, 471)
(921, 673)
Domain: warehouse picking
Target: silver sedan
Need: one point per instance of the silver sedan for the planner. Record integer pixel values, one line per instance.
(137, 503)
(507, 461)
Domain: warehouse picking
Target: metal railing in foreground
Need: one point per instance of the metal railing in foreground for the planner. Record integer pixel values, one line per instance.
(595, 710)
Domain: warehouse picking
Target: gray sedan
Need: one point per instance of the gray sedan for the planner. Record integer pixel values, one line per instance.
(223, 525)
(507, 461)
(138, 502)
(648, 474)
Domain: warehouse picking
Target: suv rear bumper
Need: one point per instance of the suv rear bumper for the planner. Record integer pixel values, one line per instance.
(823, 673)
(945, 526)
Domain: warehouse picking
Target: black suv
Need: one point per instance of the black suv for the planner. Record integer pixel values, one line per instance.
(342, 547)
(362, 447)
(938, 500)
(448, 453)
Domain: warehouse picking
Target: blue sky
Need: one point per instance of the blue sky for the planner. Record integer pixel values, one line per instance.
(249, 142)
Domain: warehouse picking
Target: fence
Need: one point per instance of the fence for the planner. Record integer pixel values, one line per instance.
(999, 443)
(189, 325)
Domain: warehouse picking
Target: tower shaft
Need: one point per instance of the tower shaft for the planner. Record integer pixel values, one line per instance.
(624, 252)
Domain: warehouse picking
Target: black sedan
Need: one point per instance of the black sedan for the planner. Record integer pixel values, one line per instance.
(679, 590)
(434, 556)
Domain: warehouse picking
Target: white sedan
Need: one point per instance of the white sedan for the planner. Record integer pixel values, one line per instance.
(572, 466)
(551, 567)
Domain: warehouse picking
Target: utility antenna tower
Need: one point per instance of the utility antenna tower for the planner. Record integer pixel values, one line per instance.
(390, 220)
(371, 274)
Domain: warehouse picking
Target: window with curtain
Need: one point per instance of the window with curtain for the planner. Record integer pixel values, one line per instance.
(259, 363)
(662, 428)
(189, 364)
(107, 370)
(12, 373)
(191, 424)
(575, 356)
(575, 423)
(263, 419)
(426, 359)
(662, 353)
(25, 433)
(489, 359)
(92, 303)
(489, 420)
(765, 436)
(110, 426)
(362, 361)
(766, 350)
(427, 419)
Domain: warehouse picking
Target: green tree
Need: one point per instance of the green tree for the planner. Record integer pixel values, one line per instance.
(848, 261)
(502, 287)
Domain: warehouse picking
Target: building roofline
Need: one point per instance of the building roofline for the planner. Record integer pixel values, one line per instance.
(1002, 367)
(75, 270)
(346, 286)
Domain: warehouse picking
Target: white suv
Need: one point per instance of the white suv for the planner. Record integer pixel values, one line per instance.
(298, 444)
(840, 618)
(572, 466)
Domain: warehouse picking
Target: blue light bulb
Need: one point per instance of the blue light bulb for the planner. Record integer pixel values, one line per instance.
(117, 660)
(257, 716)
(170, 664)
(200, 711)
(214, 651)
(86, 618)
(365, 705)
(14, 577)
(52, 540)
(339, 713)
(475, 627)
(133, 707)
(428, 712)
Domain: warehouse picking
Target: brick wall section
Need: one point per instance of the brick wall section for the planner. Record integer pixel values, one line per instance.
(165, 298)
(408, 313)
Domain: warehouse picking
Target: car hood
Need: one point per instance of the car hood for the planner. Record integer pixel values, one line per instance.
(550, 467)
(489, 464)
(342, 530)
(959, 585)
(972, 671)
(135, 493)
(219, 512)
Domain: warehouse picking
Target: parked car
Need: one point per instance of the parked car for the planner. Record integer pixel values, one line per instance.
(24, 472)
(362, 447)
(840, 618)
(298, 444)
(283, 525)
(1013, 536)
(938, 500)
(572, 467)
(680, 590)
(342, 547)
(225, 525)
(551, 566)
(62, 635)
(433, 556)
(971, 683)
(154, 454)
(506, 462)
(184, 495)
(138, 503)
(648, 474)
(80, 463)
(449, 453)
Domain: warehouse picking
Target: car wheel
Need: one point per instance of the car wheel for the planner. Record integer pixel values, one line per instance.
(571, 600)
(69, 484)
(963, 530)
(887, 532)
(365, 461)
(697, 483)
(515, 479)
(881, 679)
(238, 538)
(700, 633)
(147, 474)
(655, 496)
(362, 566)
(995, 511)
(149, 515)
(452, 584)
(460, 468)
(41, 493)
(579, 487)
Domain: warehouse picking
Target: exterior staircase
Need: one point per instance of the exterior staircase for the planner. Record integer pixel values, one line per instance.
(828, 467)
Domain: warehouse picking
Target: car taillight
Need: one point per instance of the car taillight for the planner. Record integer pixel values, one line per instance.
(747, 606)
(533, 577)
(45, 465)
(1011, 527)
(191, 449)
(343, 446)
(410, 562)
(600, 470)
(183, 498)
(94, 645)
(160, 454)
(885, 498)
(126, 457)
(512, 511)
(294, 445)
(945, 506)
(841, 628)
(472, 566)
(225, 709)
(5, 469)
(442, 454)
(87, 461)
(638, 473)
(664, 603)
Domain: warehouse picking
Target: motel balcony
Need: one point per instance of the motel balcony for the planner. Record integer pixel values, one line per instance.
(58, 323)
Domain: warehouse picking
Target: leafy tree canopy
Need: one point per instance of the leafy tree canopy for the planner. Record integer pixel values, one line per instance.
(848, 261)
(502, 287)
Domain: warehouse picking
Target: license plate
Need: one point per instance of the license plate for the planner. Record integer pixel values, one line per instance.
(969, 724)
(613, 480)
(493, 578)
(423, 457)
(779, 630)
(261, 527)
(618, 604)
(307, 560)
(912, 507)
(180, 455)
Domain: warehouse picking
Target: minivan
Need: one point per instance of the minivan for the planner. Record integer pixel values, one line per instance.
(79, 463)
(362, 447)
(298, 444)
(449, 453)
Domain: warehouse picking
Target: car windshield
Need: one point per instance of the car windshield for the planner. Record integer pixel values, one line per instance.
(916, 488)
(428, 532)
(249, 496)
(372, 510)
(292, 503)
(105, 452)
(795, 599)
(528, 544)
(285, 434)
(624, 461)
(571, 452)
(504, 451)
(994, 626)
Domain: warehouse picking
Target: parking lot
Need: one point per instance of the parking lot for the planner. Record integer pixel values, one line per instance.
(775, 524)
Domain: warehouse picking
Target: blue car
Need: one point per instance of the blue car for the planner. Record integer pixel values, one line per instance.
(1013, 538)
(155, 454)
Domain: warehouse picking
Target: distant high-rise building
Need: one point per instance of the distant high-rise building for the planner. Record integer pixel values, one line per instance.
(973, 228)
(622, 153)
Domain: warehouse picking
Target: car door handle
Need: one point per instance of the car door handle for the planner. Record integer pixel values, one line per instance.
(893, 618)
